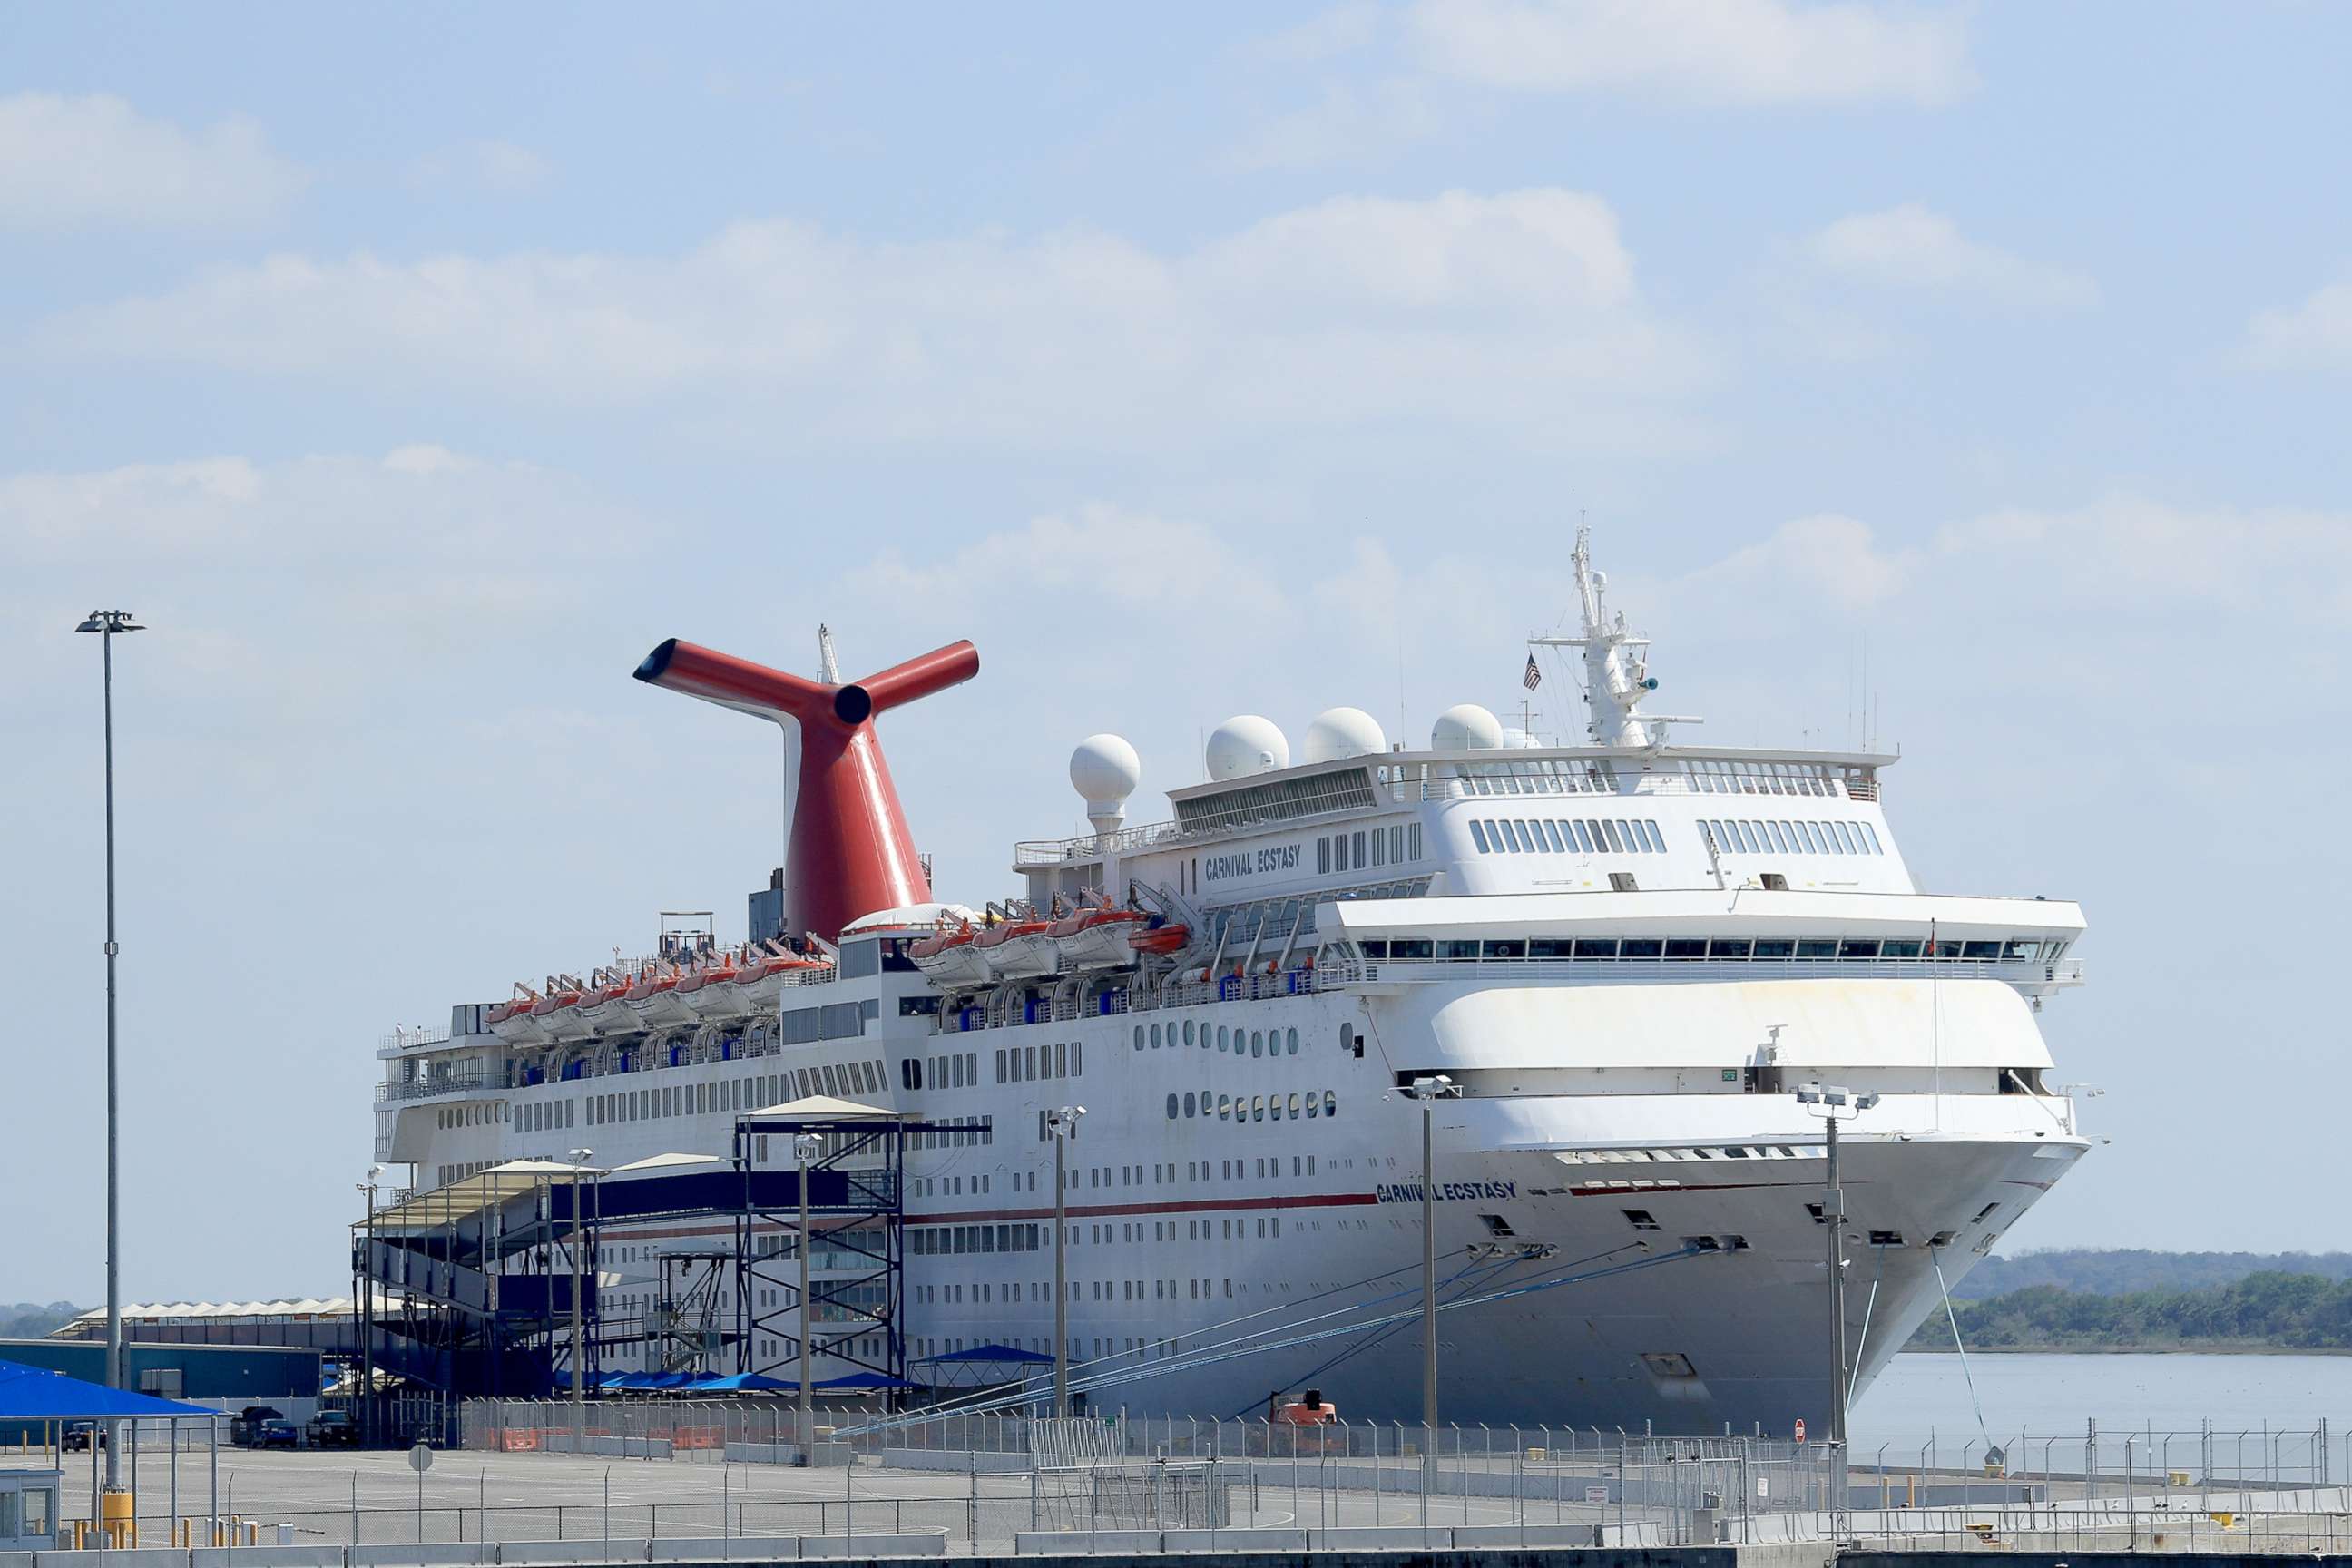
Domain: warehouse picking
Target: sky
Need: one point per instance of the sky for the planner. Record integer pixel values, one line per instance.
(1970, 377)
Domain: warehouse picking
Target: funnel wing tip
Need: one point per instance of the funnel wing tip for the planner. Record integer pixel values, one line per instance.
(658, 661)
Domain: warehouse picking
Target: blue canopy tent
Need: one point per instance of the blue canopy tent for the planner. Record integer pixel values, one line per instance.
(981, 1366)
(735, 1382)
(33, 1395)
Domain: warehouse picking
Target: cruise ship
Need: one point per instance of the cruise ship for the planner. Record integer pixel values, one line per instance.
(1603, 971)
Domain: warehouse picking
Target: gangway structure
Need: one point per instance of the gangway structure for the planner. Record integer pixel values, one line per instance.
(474, 1280)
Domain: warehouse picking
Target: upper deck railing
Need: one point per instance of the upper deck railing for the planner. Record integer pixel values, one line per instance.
(1406, 781)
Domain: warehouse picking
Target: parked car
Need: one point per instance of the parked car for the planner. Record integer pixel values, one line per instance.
(334, 1429)
(78, 1436)
(277, 1434)
(245, 1426)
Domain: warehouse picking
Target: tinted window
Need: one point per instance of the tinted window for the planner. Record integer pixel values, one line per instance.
(1551, 836)
(1775, 947)
(1685, 947)
(1730, 947)
(1640, 947)
(1814, 949)
(1478, 837)
(1596, 947)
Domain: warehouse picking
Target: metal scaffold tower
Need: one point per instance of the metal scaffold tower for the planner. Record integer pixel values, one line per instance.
(853, 1160)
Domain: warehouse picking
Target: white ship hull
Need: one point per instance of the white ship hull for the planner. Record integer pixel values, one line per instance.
(1621, 963)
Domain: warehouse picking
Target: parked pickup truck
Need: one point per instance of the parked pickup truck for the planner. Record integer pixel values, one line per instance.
(333, 1429)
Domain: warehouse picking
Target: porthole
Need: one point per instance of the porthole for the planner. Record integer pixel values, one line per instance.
(1257, 1108)
(1330, 1103)
(1290, 1042)
(1139, 1036)
(1221, 1037)
(1172, 1103)
(1258, 1043)
(1155, 1036)
(1188, 1031)
(1275, 1107)
(1294, 1107)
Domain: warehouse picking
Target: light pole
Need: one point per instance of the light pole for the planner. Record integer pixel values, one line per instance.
(806, 1148)
(1834, 1105)
(1062, 1123)
(363, 1314)
(107, 624)
(1429, 1091)
(579, 1158)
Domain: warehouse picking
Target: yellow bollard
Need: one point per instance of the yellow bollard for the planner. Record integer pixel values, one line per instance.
(118, 1516)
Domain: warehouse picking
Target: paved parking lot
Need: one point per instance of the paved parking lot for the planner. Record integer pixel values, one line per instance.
(335, 1498)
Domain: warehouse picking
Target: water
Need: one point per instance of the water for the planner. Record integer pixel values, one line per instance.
(2055, 1395)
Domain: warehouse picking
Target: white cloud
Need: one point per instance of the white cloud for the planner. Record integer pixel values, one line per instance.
(499, 168)
(1832, 555)
(1911, 246)
(2317, 332)
(70, 162)
(1337, 30)
(1517, 310)
(1348, 121)
(1735, 52)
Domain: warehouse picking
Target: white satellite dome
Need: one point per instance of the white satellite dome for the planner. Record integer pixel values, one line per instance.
(1106, 771)
(1245, 745)
(1465, 727)
(1339, 733)
(1517, 739)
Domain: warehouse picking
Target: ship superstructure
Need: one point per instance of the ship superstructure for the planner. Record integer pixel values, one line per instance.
(1625, 955)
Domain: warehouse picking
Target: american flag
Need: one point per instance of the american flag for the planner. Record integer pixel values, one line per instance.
(1534, 678)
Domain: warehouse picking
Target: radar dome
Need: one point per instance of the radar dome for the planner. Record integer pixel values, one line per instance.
(1106, 771)
(1343, 732)
(1465, 727)
(1245, 745)
(1517, 739)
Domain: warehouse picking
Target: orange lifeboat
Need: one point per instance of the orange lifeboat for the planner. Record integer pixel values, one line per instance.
(1095, 937)
(950, 955)
(1161, 940)
(1016, 947)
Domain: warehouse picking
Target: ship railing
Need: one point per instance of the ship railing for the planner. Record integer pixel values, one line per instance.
(1487, 781)
(2026, 974)
(1470, 781)
(431, 1084)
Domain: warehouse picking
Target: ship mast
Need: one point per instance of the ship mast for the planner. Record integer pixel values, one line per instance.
(1616, 663)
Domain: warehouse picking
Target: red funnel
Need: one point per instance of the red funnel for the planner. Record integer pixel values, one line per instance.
(850, 854)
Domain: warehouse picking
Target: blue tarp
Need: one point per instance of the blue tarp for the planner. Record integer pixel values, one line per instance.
(35, 1393)
(736, 1383)
(999, 1353)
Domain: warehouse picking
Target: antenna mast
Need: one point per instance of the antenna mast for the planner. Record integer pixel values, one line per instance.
(1616, 663)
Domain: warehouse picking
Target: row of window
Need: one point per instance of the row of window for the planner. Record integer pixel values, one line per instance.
(937, 1240)
(1368, 847)
(1736, 837)
(1255, 1042)
(1034, 1064)
(1255, 1107)
(1585, 836)
(2013, 950)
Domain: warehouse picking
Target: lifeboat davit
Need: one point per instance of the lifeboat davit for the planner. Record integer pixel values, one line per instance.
(512, 1022)
(1095, 937)
(654, 999)
(950, 955)
(1161, 940)
(1016, 947)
